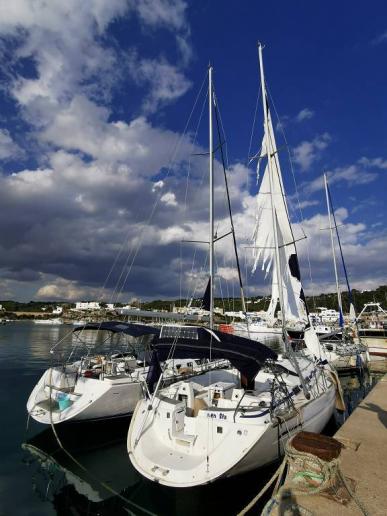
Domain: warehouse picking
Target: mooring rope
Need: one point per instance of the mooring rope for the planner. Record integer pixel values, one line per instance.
(326, 472)
(81, 466)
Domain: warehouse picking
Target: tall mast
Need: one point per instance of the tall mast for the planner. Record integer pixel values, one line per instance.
(270, 170)
(270, 152)
(211, 157)
(333, 251)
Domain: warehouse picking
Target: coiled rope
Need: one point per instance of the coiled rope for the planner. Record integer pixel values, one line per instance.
(313, 476)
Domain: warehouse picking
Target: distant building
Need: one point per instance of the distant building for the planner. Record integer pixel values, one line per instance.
(110, 306)
(58, 310)
(88, 305)
(1, 307)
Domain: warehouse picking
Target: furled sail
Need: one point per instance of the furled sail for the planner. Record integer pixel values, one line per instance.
(263, 237)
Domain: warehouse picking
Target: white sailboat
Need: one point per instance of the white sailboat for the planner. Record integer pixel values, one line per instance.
(372, 330)
(341, 350)
(106, 381)
(194, 432)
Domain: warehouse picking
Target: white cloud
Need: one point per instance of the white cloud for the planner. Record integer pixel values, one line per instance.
(169, 199)
(9, 149)
(170, 13)
(374, 162)
(307, 152)
(304, 114)
(59, 289)
(351, 175)
(165, 81)
(307, 204)
(64, 40)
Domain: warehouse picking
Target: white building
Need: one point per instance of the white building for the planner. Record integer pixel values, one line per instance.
(58, 310)
(88, 305)
(110, 306)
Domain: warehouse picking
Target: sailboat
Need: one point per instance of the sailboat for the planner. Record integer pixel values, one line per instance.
(341, 349)
(215, 426)
(101, 378)
(372, 330)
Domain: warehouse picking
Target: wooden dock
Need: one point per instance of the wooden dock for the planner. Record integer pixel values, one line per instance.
(363, 461)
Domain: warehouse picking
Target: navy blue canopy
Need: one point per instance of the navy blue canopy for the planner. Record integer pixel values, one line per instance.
(134, 330)
(246, 355)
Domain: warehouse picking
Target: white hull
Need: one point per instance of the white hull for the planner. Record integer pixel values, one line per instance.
(49, 322)
(103, 397)
(352, 361)
(91, 399)
(187, 449)
(263, 334)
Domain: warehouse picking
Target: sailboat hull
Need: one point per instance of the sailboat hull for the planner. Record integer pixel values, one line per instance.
(216, 443)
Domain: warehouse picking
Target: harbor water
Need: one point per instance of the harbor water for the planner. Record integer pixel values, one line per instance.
(93, 474)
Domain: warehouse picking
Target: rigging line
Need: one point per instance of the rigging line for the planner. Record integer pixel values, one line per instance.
(217, 103)
(227, 284)
(187, 181)
(229, 208)
(86, 470)
(196, 249)
(339, 242)
(220, 283)
(253, 125)
(296, 191)
(195, 284)
(158, 198)
(297, 196)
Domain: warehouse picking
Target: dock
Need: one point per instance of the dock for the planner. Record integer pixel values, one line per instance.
(363, 460)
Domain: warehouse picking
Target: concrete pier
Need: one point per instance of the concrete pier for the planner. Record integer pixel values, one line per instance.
(364, 459)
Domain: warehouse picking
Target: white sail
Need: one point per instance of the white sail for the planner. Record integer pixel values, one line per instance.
(263, 237)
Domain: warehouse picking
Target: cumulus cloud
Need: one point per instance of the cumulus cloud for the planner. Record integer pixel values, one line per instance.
(64, 289)
(307, 152)
(109, 203)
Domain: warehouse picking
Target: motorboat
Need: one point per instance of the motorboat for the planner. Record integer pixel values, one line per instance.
(49, 322)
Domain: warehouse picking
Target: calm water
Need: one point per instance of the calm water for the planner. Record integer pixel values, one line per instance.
(36, 478)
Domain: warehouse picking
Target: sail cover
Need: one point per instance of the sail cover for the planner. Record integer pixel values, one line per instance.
(264, 242)
(246, 355)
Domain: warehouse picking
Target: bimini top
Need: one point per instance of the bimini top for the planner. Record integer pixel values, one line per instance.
(246, 355)
(134, 330)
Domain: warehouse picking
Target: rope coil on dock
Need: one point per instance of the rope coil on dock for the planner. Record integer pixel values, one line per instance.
(307, 474)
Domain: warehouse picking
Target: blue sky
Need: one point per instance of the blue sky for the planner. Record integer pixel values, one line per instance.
(95, 95)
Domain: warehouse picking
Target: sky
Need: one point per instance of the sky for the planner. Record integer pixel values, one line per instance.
(104, 135)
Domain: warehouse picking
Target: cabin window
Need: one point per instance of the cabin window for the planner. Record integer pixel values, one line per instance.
(219, 429)
(168, 415)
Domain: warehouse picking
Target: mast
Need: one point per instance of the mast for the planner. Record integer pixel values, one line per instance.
(211, 157)
(270, 153)
(333, 251)
(270, 170)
